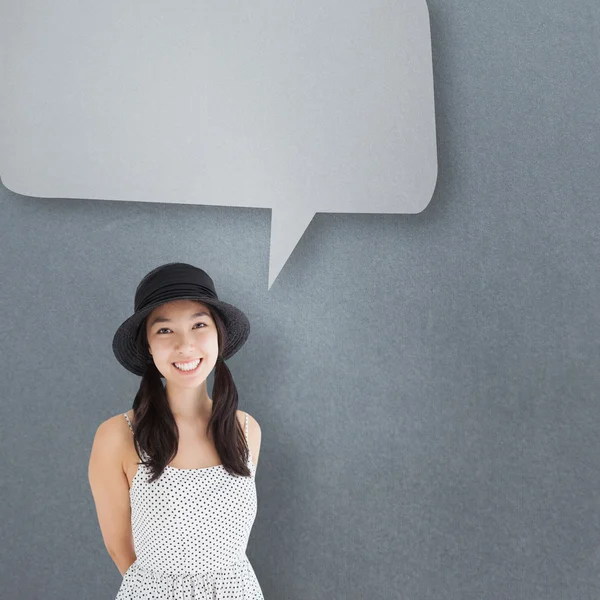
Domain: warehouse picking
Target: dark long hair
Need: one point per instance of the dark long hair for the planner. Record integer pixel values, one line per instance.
(155, 429)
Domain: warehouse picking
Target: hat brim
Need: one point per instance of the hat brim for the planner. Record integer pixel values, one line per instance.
(130, 356)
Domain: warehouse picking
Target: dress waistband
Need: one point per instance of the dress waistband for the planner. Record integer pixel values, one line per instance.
(208, 576)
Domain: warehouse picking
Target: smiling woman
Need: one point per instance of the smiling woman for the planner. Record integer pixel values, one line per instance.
(187, 346)
(180, 331)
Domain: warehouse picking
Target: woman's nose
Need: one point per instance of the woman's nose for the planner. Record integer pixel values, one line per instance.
(184, 343)
(185, 347)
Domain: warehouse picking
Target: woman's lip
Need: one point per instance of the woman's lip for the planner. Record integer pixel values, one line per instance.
(191, 370)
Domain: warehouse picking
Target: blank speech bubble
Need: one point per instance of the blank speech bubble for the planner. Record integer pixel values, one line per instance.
(297, 107)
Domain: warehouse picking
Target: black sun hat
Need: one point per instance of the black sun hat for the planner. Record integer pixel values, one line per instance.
(174, 281)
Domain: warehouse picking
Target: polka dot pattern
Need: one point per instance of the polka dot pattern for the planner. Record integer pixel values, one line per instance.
(190, 531)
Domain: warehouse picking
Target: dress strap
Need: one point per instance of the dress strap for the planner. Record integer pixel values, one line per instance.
(127, 417)
(247, 441)
(144, 454)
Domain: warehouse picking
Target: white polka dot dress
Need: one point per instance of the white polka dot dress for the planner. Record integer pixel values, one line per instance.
(190, 531)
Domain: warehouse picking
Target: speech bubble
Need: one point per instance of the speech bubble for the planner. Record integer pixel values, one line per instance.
(296, 107)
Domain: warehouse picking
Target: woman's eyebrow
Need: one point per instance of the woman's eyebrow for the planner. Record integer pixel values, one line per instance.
(165, 320)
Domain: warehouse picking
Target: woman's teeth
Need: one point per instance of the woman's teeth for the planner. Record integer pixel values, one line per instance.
(190, 366)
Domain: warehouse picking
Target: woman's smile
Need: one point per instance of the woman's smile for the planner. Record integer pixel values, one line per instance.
(188, 367)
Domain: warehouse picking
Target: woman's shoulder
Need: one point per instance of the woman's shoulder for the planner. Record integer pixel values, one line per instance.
(119, 420)
(252, 422)
(112, 437)
(117, 425)
(116, 421)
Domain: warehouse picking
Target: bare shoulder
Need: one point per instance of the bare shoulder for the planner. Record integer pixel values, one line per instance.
(254, 433)
(253, 426)
(241, 415)
(115, 428)
(118, 425)
(113, 436)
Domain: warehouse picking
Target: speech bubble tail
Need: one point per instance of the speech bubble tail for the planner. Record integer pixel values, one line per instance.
(287, 227)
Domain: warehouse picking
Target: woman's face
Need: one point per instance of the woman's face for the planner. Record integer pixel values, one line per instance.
(177, 333)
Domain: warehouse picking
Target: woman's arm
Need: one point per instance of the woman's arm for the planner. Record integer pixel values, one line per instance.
(110, 490)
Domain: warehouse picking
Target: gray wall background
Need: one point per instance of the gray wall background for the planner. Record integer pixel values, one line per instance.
(427, 385)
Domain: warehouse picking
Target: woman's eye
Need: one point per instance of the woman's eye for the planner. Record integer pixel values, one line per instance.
(167, 329)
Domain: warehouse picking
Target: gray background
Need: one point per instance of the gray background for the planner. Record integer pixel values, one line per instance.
(427, 385)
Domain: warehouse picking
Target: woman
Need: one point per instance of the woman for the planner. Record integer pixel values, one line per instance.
(183, 514)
